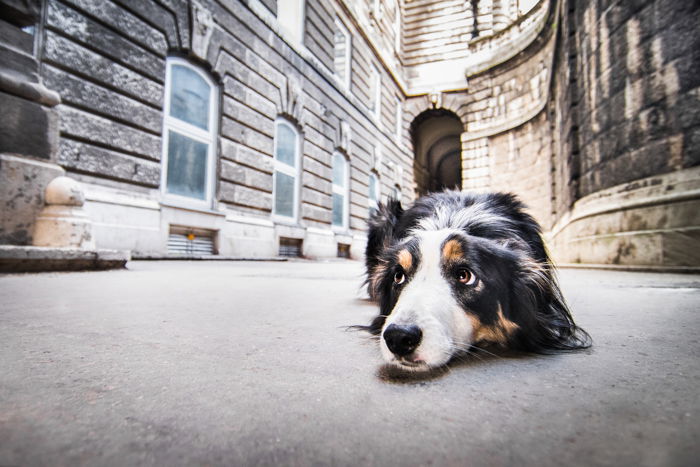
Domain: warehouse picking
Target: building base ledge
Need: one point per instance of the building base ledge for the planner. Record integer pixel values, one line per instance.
(160, 257)
(42, 259)
(632, 267)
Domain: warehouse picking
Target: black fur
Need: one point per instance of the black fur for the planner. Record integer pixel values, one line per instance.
(502, 244)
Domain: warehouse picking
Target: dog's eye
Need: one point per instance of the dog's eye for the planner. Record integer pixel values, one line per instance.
(399, 277)
(466, 277)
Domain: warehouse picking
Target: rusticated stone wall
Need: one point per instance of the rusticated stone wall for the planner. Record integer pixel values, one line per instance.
(107, 61)
(638, 81)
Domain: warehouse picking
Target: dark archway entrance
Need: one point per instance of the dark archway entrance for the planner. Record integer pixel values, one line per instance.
(437, 162)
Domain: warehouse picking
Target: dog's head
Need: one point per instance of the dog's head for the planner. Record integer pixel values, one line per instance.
(445, 286)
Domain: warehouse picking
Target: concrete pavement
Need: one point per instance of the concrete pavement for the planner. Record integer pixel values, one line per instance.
(229, 363)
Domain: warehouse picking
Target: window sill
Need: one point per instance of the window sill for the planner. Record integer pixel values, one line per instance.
(188, 207)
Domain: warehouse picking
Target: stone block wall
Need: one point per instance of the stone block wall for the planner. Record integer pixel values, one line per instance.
(521, 162)
(108, 64)
(639, 73)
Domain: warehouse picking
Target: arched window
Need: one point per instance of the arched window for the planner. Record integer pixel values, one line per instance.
(286, 176)
(374, 192)
(189, 134)
(340, 190)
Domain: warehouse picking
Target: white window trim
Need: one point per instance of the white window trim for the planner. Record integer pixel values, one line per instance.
(399, 119)
(286, 169)
(397, 28)
(374, 203)
(344, 192)
(377, 98)
(191, 131)
(348, 53)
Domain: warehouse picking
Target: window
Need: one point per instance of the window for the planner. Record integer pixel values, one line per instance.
(374, 194)
(340, 190)
(399, 119)
(290, 15)
(286, 178)
(342, 53)
(189, 134)
(375, 92)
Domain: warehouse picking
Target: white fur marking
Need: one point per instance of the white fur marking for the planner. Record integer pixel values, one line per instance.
(427, 302)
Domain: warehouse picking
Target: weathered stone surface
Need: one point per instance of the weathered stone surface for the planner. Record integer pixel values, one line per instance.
(244, 196)
(27, 128)
(107, 132)
(128, 24)
(61, 51)
(248, 176)
(21, 64)
(95, 160)
(87, 31)
(39, 259)
(101, 100)
(22, 184)
(167, 16)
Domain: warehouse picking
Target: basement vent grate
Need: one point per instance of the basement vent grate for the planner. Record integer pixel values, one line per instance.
(343, 250)
(290, 247)
(190, 242)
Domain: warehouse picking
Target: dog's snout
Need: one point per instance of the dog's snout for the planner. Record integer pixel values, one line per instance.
(402, 340)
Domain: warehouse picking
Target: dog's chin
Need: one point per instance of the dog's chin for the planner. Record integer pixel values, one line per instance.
(410, 367)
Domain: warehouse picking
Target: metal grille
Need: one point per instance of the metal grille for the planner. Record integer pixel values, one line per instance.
(290, 247)
(343, 250)
(192, 242)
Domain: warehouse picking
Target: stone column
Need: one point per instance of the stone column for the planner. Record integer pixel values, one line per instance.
(28, 124)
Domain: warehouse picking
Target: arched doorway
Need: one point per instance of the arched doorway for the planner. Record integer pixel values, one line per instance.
(437, 164)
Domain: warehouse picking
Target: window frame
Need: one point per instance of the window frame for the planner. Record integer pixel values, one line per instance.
(373, 203)
(376, 107)
(188, 130)
(346, 79)
(344, 191)
(279, 166)
(399, 119)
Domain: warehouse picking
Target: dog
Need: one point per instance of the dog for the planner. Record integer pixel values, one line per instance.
(458, 272)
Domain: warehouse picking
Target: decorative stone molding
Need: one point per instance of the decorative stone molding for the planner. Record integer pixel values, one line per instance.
(63, 221)
(292, 99)
(343, 136)
(202, 29)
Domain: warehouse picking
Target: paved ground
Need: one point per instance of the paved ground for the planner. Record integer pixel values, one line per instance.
(175, 363)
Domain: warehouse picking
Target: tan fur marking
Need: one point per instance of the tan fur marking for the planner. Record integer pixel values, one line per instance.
(405, 260)
(452, 251)
(496, 333)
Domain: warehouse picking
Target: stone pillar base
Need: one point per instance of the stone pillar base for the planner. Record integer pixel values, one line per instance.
(652, 223)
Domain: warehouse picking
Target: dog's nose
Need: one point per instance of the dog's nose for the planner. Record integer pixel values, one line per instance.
(402, 340)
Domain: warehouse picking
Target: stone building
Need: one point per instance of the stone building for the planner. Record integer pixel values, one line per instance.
(264, 127)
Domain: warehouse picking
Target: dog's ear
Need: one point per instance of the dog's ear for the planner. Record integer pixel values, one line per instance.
(382, 233)
(543, 313)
